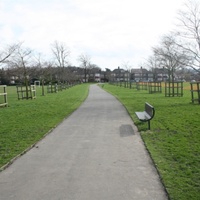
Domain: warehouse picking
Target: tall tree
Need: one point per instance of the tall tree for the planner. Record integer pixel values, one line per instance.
(169, 56)
(61, 53)
(22, 59)
(84, 59)
(189, 32)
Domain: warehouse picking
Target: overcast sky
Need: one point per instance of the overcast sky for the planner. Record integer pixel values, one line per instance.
(111, 32)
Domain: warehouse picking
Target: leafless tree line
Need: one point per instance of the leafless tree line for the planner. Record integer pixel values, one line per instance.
(180, 48)
(21, 62)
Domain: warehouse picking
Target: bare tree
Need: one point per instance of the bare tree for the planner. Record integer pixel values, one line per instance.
(61, 53)
(22, 59)
(152, 63)
(93, 72)
(189, 32)
(38, 60)
(169, 56)
(8, 51)
(84, 59)
(49, 72)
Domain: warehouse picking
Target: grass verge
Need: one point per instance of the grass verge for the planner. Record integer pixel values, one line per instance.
(174, 139)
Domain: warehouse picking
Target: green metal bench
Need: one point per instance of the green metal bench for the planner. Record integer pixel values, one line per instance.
(147, 114)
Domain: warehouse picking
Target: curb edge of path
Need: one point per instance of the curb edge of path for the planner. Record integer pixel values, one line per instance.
(148, 152)
(35, 143)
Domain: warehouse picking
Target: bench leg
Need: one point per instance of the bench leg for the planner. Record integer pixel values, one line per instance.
(149, 124)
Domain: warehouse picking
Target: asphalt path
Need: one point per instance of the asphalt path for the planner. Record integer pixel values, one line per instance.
(94, 154)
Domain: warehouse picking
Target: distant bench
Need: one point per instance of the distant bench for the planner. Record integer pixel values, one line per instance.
(147, 114)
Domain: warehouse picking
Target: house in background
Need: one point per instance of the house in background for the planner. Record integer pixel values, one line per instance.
(139, 74)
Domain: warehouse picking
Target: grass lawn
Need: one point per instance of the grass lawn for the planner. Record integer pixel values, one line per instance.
(24, 122)
(173, 142)
(174, 138)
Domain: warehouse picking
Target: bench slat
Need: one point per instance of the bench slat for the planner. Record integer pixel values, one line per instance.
(143, 116)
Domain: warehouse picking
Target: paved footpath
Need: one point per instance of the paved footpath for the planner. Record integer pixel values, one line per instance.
(95, 154)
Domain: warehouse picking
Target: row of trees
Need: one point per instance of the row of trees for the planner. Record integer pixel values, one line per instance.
(24, 64)
(180, 48)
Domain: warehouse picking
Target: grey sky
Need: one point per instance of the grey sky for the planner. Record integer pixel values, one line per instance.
(111, 32)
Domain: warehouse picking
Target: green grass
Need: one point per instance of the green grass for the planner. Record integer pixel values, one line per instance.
(24, 122)
(174, 139)
(173, 142)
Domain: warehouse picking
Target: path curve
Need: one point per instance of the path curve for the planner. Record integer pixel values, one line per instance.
(95, 154)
